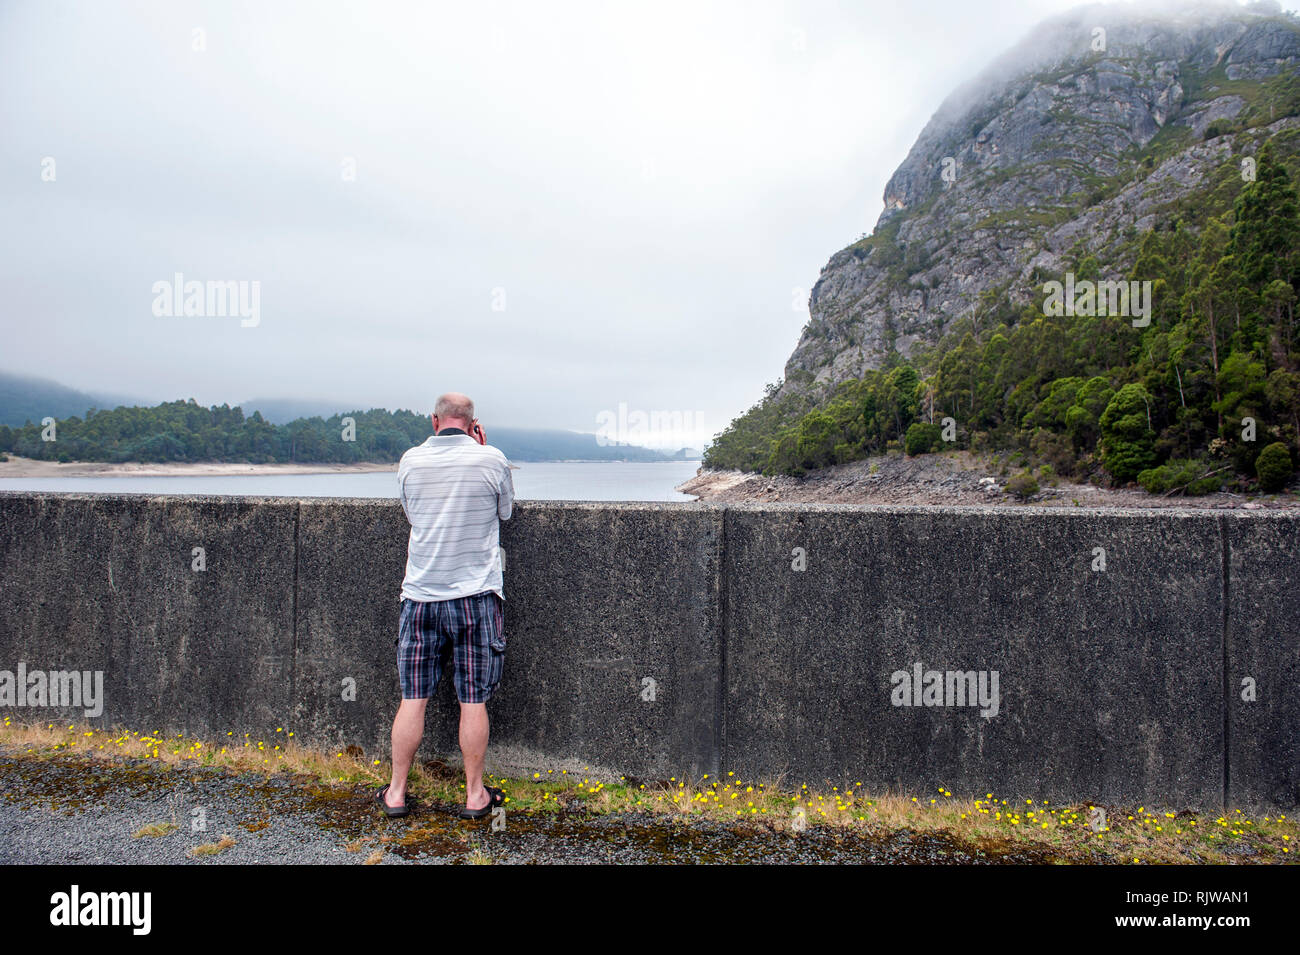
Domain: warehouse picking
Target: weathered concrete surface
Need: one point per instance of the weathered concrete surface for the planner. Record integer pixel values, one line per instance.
(351, 560)
(1113, 685)
(1264, 646)
(598, 600)
(106, 583)
(1109, 681)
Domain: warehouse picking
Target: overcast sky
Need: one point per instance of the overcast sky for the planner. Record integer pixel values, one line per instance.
(557, 207)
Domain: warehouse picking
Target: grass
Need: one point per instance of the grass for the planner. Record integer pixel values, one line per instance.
(213, 848)
(1147, 834)
(478, 855)
(155, 829)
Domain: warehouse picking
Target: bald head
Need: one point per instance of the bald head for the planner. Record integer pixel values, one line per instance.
(454, 410)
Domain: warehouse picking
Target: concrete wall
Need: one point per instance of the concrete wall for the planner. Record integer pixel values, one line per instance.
(771, 635)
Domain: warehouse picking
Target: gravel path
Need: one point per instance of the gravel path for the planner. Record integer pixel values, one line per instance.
(71, 809)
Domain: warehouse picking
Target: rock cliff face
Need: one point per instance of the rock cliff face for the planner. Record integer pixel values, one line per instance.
(1075, 141)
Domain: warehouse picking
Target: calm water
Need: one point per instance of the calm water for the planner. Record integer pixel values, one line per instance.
(546, 481)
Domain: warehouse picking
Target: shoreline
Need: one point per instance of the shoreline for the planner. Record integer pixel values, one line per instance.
(942, 479)
(20, 467)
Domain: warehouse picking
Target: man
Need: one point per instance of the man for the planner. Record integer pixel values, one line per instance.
(455, 488)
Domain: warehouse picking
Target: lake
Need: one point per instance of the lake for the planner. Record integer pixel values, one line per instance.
(541, 481)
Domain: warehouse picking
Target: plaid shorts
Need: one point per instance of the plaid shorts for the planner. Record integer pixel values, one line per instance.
(467, 630)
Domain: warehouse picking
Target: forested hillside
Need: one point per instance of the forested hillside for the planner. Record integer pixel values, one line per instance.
(188, 432)
(947, 314)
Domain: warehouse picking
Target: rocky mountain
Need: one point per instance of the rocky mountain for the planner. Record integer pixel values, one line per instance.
(1076, 141)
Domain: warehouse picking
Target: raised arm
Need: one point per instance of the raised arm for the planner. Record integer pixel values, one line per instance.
(505, 493)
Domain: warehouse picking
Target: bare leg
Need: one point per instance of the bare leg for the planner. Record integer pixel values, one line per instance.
(408, 728)
(473, 746)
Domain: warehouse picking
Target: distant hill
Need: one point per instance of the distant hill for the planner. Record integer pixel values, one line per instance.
(26, 398)
(263, 430)
(518, 444)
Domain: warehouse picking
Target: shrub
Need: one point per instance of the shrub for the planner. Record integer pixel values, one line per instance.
(1187, 476)
(923, 438)
(1127, 440)
(1023, 486)
(1218, 128)
(1206, 485)
(1057, 450)
(846, 451)
(817, 436)
(1155, 480)
(1273, 467)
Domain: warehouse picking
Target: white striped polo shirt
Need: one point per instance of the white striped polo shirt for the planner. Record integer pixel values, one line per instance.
(454, 490)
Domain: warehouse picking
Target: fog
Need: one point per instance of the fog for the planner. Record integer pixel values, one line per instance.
(565, 210)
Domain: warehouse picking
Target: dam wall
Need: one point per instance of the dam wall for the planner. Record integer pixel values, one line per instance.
(1104, 655)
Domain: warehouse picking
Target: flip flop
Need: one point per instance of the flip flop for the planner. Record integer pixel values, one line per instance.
(496, 797)
(389, 811)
